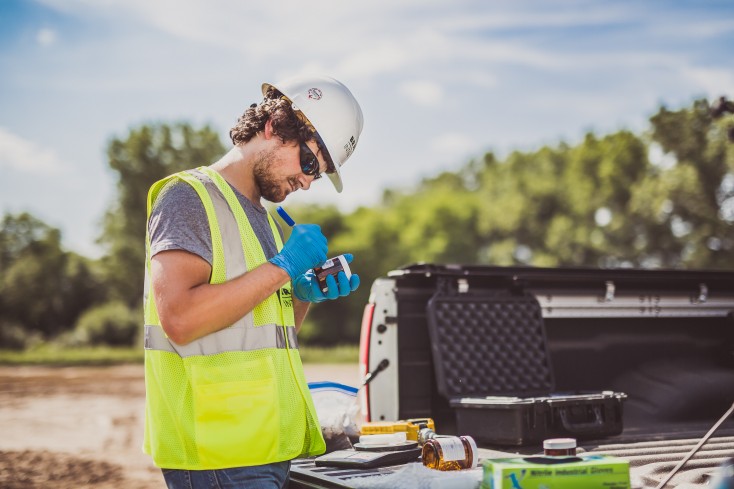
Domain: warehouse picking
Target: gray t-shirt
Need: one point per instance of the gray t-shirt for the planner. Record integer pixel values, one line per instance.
(178, 222)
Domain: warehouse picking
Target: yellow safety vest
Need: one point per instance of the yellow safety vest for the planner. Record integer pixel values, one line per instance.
(236, 397)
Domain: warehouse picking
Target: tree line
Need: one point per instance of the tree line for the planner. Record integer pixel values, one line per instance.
(604, 202)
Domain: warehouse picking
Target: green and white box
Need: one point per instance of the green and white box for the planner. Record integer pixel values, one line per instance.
(582, 472)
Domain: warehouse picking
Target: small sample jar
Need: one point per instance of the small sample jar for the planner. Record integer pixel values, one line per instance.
(450, 453)
(559, 447)
(331, 266)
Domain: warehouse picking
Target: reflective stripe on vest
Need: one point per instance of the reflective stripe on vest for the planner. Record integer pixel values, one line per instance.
(229, 339)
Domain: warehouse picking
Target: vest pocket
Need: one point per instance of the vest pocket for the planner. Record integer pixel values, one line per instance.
(236, 423)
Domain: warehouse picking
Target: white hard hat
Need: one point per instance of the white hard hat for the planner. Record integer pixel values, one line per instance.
(332, 110)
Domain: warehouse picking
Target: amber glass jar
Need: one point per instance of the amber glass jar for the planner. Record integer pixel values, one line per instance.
(450, 453)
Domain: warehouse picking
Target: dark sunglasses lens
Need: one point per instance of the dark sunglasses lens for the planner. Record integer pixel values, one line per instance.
(309, 162)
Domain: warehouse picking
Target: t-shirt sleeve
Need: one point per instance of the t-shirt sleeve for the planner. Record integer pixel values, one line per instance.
(178, 221)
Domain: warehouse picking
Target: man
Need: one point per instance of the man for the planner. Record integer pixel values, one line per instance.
(227, 404)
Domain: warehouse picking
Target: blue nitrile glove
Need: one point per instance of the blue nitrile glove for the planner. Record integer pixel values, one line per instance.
(306, 248)
(306, 287)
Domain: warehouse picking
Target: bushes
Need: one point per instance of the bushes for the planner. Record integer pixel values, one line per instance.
(112, 323)
(14, 337)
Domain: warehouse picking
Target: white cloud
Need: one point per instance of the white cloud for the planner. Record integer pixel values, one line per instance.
(694, 29)
(503, 18)
(46, 37)
(380, 57)
(454, 143)
(422, 92)
(26, 156)
(478, 78)
(714, 81)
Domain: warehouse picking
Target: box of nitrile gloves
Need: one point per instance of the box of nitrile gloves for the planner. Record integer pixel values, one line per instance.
(582, 472)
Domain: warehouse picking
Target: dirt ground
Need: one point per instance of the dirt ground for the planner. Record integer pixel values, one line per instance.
(80, 427)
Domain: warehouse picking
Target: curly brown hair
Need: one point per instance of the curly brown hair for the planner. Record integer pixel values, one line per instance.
(286, 124)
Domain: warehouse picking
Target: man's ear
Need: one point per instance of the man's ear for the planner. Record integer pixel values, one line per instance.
(268, 131)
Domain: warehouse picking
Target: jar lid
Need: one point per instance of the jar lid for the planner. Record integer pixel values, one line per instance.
(559, 443)
(474, 451)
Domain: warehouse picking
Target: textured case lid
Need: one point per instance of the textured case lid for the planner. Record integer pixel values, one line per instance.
(491, 344)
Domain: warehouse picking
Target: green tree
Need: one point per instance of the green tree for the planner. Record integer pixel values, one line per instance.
(145, 155)
(43, 288)
(603, 203)
(695, 197)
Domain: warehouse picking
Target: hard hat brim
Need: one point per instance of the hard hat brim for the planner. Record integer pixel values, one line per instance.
(336, 179)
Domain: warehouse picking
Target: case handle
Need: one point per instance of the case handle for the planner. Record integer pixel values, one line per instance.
(582, 428)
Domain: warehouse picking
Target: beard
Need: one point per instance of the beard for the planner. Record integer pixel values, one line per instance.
(270, 189)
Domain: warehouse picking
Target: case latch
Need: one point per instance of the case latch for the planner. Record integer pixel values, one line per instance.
(609, 293)
(462, 285)
(450, 287)
(703, 294)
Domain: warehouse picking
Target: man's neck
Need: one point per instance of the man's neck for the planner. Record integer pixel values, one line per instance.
(236, 168)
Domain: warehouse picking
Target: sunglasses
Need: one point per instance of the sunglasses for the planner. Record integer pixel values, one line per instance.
(309, 162)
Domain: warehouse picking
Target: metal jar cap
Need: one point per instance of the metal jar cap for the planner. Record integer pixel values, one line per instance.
(559, 443)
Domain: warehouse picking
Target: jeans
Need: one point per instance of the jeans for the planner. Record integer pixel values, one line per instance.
(270, 476)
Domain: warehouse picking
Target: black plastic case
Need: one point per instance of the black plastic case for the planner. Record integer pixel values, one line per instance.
(492, 363)
(526, 421)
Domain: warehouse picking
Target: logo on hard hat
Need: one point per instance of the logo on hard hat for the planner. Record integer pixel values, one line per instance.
(350, 146)
(314, 94)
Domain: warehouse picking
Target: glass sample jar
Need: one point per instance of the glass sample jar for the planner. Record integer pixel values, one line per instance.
(450, 453)
(331, 267)
(559, 447)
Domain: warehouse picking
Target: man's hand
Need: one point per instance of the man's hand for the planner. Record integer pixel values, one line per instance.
(306, 287)
(306, 248)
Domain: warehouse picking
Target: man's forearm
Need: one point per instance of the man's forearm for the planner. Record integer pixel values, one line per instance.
(190, 312)
(299, 312)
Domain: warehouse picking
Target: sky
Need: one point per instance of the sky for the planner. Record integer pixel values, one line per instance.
(440, 82)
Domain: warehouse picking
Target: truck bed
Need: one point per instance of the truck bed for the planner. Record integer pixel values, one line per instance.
(651, 460)
(663, 337)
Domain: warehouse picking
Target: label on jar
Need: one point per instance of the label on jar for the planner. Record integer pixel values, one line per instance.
(452, 448)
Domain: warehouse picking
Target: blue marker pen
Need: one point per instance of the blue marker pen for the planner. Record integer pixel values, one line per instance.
(284, 215)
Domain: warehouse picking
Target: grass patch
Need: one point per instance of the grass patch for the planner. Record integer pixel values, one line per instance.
(332, 354)
(54, 355)
(57, 356)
